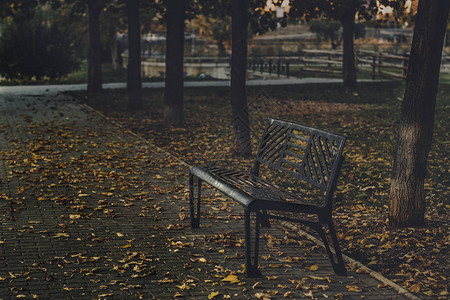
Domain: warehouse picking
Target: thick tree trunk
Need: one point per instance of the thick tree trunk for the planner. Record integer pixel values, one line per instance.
(94, 56)
(173, 92)
(134, 80)
(348, 65)
(241, 126)
(407, 198)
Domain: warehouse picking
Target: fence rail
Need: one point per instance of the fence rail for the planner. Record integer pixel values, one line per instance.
(374, 63)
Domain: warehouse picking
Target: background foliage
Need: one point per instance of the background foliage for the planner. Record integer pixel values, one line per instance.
(34, 44)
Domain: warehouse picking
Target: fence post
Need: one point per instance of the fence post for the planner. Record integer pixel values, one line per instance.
(329, 59)
(270, 67)
(287, 69)
(374, 64)
(379, 63)
(262, 66)
(278, 68)
(405, 65)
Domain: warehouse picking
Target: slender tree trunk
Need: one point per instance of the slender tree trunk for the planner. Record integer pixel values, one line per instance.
(407, 198)
(95, 49)
(241, 124)
(113, 49)
(134, 80)
(173, 92)
(348, 65)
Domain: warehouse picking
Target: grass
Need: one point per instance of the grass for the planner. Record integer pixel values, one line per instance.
(109, 75)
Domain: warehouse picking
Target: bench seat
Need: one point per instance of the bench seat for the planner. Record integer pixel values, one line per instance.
(250, 190)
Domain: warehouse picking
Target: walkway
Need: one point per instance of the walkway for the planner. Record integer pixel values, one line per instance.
(46, 89)
(90, 211)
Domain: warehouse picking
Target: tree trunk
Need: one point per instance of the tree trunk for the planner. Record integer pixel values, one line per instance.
(114, 53)
(407, 198)
(134, 81)
(348, 65)
(241, 144)
(95, 48)
(173, 92)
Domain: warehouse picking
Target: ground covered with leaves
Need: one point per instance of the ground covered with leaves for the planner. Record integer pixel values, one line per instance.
(415, 258)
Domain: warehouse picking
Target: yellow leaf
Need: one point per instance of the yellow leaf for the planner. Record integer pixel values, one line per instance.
(329, 279)
(353, 288)
(231, 279)
(61, 234)
(74, 216)
(213, 295)
(313, 268)
(183, 287)
(158, 177)
(415, 288)
(127, 246)
(119, 234)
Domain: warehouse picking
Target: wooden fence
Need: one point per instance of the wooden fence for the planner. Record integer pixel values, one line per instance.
(374, 63)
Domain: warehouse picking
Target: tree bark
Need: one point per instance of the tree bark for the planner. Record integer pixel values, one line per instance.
(134, 80)
(94, 53)
(348, 65)
(241, 144)
(173, 92)
(407, 196)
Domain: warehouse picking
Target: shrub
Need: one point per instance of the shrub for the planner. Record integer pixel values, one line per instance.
(33, 49)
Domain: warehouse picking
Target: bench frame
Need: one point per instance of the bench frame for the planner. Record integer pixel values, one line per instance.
(307, 154)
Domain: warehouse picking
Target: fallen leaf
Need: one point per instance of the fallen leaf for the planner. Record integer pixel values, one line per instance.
(313, 267)
(353, 288)
(61, 234)
(231, 279)
(183, 287)
(213, 295)
(415, 288)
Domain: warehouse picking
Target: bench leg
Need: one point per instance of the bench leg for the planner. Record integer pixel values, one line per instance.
(195, 203)
(338, 264)
(265, 222)
(251, 264)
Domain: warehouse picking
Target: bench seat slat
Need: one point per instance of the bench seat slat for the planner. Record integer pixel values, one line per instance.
(244, 187)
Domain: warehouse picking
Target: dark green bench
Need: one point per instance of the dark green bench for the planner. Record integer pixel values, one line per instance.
(307, 154)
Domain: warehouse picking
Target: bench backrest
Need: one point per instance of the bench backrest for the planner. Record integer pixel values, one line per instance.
(305, 153)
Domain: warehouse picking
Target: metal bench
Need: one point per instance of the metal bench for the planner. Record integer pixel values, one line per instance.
(307, 154)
